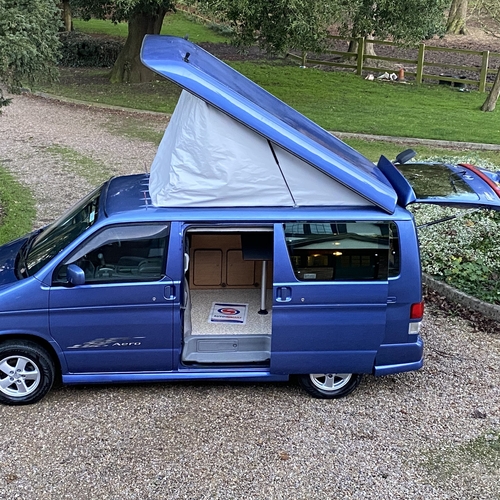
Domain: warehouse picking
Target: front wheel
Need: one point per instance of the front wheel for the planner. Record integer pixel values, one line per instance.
(26, 372)
(330, 385)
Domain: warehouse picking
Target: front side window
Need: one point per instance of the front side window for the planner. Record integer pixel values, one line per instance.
(120, 253)
(343, 250)
(62, 232)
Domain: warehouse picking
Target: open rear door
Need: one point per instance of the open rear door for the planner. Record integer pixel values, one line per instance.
(460, 185)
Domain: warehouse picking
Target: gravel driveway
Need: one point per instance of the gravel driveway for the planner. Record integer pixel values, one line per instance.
(429, 434)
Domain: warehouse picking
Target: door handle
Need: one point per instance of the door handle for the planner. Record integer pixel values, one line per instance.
(169, 292)
(283, 294)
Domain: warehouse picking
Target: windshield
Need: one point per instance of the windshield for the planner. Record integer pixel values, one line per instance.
(62, 232)
(431, 181)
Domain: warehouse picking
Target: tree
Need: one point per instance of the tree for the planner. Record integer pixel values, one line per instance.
(66, 15)
(143, 17)
(457, 17)
(490, 9)
(403, 20)
(491, 100)
(276, 25)
(29, 46)
(279, 25)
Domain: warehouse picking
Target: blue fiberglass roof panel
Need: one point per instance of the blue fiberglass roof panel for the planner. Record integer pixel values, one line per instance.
(218, 84)
(127, 200)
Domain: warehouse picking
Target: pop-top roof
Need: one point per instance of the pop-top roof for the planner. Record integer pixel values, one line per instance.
(219, 85)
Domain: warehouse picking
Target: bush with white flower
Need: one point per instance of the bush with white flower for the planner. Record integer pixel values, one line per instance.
(465, 251)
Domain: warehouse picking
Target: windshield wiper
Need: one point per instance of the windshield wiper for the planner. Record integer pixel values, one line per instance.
(453, 182)
(446, 219)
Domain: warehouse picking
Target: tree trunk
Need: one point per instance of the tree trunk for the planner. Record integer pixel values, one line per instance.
(457, 17)
(128, 67)
(66, 15)
(369, 47)
(491, 100)
(369, 50)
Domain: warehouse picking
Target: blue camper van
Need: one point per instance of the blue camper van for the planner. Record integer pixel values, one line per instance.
(260, 247)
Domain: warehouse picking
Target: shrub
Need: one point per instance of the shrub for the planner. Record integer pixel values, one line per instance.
(221, 29)
(80, 49)
(463, 252)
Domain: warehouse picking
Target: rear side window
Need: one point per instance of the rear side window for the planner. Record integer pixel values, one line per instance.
(343, 250)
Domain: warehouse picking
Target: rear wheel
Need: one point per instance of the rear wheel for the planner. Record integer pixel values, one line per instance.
(26, 372)
(330, 385)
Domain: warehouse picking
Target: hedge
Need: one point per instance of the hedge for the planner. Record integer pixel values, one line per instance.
(80, 49)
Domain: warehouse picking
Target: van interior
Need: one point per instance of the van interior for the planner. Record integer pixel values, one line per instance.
(228, 295)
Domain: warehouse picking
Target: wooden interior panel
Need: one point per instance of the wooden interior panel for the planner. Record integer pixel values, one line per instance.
(207, 268)
(239, 272)
(217, 262)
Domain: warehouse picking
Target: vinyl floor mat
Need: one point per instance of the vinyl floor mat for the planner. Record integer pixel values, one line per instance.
(228, 313)
(202, 302)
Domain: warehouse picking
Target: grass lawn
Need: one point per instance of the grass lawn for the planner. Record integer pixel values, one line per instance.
(17, 208)
(177, 24)
(335, 100)
(344, 102)
(374, 149)
(91, 84)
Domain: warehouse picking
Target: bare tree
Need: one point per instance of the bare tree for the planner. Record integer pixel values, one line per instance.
(487, 13)
(491, 100)
(457, 17)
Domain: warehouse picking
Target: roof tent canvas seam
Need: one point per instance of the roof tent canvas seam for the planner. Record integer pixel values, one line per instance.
(281, 171)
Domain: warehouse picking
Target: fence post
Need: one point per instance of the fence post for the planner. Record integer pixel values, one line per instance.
(484, 71)
(420, 63)
(361, 55)
(304, 59)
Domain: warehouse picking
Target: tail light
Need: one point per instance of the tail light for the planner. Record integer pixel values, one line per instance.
(417, 310)
(416, 313)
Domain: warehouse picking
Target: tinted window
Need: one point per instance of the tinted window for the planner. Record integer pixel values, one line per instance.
(121, 253)
(343, 250)
(437, 181)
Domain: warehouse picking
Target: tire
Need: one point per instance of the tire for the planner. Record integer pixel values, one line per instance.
(27, 372)
(329, 385)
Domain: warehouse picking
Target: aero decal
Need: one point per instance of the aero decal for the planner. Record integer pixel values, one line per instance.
(109, 342)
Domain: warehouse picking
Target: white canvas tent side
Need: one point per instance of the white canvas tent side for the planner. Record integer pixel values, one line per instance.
(208, 159)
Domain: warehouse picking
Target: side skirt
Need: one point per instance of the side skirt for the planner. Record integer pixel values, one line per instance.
(112, 378)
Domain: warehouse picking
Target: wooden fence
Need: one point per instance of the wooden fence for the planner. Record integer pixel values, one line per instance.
(360, 61)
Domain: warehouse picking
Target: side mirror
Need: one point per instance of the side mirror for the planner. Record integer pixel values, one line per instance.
(75, 275)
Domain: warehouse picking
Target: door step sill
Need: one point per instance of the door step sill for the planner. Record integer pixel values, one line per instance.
(226, 349)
